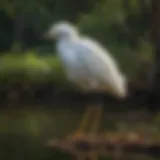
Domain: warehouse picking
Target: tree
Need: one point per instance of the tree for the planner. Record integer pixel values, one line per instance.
(155, 38)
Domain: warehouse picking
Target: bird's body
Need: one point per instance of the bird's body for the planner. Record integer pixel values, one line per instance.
(89, 66)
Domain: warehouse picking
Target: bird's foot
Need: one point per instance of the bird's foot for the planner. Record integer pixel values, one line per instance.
(77, 136)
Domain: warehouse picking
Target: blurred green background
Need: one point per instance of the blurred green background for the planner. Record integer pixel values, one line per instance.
(26, 59)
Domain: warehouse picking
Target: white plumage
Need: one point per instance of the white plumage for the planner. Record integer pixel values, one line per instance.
(89, 66)
(86, 62)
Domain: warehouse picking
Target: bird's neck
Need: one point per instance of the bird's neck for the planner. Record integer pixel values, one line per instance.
(65, 43)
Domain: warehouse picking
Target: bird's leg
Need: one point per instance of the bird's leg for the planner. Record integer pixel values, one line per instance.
(98, 108)
(96, 120)
(83, 125)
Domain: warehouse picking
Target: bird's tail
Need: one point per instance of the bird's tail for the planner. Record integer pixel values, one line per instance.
(122, 87)
(118, 87)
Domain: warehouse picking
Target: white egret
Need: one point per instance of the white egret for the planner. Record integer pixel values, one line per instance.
(88, 65)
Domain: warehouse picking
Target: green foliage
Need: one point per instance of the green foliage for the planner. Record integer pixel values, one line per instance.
(34, 17)
(114, 24)
(99, 22)
(30, 67)
(117, 22)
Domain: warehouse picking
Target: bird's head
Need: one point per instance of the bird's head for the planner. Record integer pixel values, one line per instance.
(61, 30)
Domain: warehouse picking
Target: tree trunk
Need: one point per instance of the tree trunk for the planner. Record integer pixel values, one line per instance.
(155, 38)
(155, 35)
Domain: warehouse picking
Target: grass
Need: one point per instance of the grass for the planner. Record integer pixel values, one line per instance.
(30, 67)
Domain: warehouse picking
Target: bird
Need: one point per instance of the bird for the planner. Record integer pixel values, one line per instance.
(89, 66)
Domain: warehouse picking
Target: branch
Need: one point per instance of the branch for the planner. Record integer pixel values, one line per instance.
(107, 144)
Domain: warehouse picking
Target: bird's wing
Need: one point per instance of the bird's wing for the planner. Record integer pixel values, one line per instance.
(101, 65)
(72, 62)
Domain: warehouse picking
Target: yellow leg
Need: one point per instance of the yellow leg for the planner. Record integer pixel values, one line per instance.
(83, 125)
(96, 120)
(94, 129)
